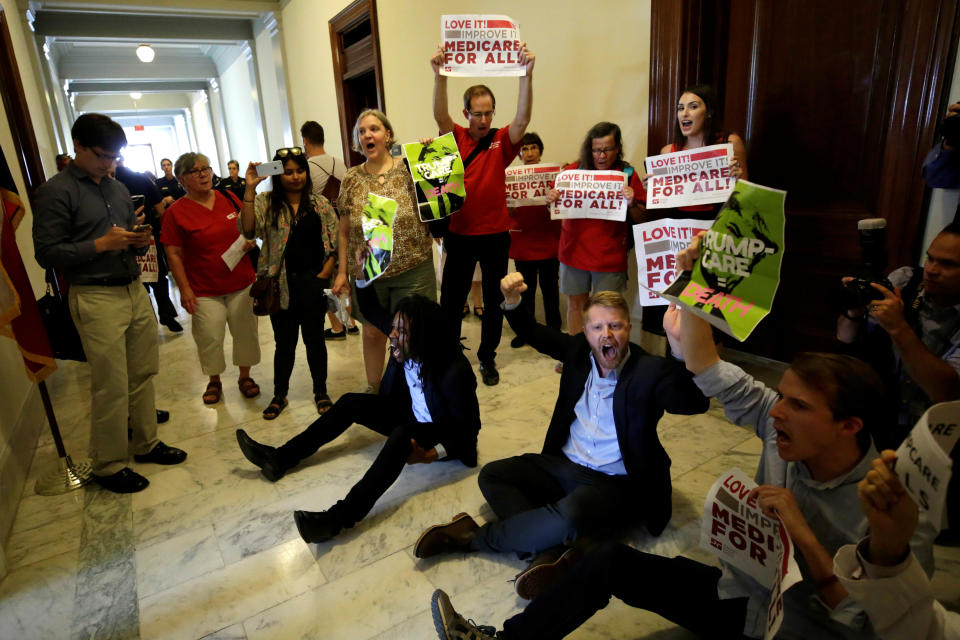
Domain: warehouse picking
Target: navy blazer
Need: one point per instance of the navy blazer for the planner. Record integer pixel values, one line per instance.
(647, 386)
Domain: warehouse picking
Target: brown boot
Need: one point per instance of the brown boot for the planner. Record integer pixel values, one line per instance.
(545, 569)
(455, 535)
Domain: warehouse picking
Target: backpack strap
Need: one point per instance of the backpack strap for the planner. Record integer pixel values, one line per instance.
(482, 145)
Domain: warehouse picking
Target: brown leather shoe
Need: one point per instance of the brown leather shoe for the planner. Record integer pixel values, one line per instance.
(455, 535)
(545, 569)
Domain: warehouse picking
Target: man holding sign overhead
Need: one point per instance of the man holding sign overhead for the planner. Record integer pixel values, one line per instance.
(480, 231)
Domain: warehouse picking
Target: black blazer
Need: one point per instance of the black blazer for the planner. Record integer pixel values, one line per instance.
(648, 385)
(450, 391)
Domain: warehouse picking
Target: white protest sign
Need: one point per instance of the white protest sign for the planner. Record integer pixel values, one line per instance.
(148, 263)
(923, 459)
(788, 574)
(529, 184)
(684, 178)
(590, 194)
(735, 530)
(235, 252)
(480, 46)
(657, 244)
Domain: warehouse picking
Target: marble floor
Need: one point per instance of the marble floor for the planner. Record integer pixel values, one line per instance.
(210, 549)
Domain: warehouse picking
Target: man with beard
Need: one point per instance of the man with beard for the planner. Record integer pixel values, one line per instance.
(612, 394)
(427, 407)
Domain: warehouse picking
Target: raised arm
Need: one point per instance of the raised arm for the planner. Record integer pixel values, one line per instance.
(248, 219)
(547, 340)
(690, 336)
(441, 112)
(524, 97)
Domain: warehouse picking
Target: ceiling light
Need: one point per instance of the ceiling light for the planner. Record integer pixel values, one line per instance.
(136, 95)
(145, 52)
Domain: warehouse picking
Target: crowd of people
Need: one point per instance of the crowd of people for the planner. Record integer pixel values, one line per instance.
(602, 467)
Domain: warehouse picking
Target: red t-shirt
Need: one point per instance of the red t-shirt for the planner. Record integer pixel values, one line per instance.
(598, 245)
(534, 235)
(485, 208)
(203, 235)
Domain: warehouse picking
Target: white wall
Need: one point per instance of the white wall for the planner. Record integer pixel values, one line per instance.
(105, 103)
(204, 130)
(237, 94)
(272, 94)
(592, 65)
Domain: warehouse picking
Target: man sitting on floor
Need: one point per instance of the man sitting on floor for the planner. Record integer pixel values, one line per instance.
(816, 448)
(427, 406)
(601, 456)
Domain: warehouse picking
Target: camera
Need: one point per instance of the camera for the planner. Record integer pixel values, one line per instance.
(858, 293)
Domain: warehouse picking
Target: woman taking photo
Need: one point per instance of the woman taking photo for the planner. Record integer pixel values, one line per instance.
(197, 229)
(298, 230)
(411, 266)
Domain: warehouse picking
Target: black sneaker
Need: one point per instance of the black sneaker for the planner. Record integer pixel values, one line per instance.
(517, 342)
(354, 330)
(124, 481)
(163, 454)
(489, 373)
(330, 334)
(172, 325)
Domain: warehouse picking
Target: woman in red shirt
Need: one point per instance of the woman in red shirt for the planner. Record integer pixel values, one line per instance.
(197, 230)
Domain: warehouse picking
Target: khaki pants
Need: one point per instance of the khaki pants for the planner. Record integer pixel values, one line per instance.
(119, 335)
(209, 325)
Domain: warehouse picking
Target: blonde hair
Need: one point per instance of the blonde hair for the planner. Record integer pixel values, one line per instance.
(608, 299)
(382, 117)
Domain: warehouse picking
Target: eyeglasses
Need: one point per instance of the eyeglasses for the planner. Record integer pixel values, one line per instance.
(112, 157)
(485, 115)
(606, 151)
(204, 171)
(289, 151)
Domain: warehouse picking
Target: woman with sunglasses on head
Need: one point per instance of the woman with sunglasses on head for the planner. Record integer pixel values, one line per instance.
(197, 230)
(411, 266)
(697, 125)
(299, 233)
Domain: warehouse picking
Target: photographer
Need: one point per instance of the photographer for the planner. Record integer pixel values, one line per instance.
(910, 333)
(941, 167)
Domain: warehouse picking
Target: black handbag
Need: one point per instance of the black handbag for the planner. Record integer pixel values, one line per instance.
(58, 323)
(265, 290)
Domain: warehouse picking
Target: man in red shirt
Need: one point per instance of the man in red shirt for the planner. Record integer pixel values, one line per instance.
(480, 231)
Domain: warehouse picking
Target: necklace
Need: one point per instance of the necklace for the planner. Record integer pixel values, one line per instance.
(380, 178)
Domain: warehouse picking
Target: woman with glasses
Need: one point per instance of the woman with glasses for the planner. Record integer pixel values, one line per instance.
(299, 233)
(197, 230)
(593, 253)
(411, 266)
(697, 125)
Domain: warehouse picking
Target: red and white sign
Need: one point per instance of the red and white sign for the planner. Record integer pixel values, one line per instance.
(590, 194)
(685, 178)
(657, 244)
(529, 184)
(480, 46)
(148, 264)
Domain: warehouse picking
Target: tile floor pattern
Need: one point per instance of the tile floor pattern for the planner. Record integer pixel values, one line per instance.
(210, 549)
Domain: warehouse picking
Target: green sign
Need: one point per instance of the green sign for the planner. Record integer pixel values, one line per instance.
(437, 171)
(733, 283)
(377, 251)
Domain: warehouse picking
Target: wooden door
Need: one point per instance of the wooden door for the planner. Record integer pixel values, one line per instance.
(838, 103)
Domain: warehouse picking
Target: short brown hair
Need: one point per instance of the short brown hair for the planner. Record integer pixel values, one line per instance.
(852, 388)
(608, 299)
(312, 132)
(379, 115)
(476, 91)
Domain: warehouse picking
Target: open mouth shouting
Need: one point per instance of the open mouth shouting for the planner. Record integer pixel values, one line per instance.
(686, 125)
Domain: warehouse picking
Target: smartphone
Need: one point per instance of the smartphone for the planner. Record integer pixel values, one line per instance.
(140, 228)
(138, 201)
(274, 168)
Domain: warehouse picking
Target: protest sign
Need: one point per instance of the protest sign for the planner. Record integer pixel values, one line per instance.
(657, 244)
(733, 283)
(590, 194)
(787, 575)
(378, 236)
(148, 263)
(684, 178)
(437, 172)
(481, 46)
(923, 459)
(529, 184)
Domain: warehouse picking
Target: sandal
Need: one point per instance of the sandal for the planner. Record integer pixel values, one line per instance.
(213, 392)
(275, 408)
(248, 387)
(323, 403)
(478, 311)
